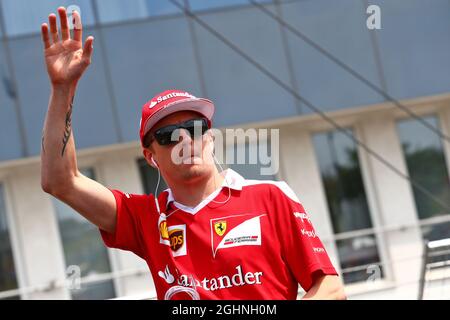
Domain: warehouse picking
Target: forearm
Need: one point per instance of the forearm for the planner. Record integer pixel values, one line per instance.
(58, 156)
(326, 288)
(325, 295)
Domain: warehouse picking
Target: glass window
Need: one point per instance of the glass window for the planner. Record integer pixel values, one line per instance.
(425, 71)
(426, 164)
(210, 4)
(25, 16)
(249, 158)
(83, 247)
(434, 232)
(149, 178)
(425, 159)
(340, 28)
(8, 278)
(150, 68)
(119, 10)
(241, 92)
(10, 142)
(337, 156)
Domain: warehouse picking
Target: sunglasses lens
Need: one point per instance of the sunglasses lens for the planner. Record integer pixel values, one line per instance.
(196, 128)
(166, 135)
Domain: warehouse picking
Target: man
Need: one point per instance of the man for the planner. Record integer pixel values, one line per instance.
(211, 235)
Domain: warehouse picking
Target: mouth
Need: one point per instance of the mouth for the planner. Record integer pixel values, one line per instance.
(193, 159)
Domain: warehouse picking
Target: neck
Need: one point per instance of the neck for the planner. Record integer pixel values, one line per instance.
(193, 193)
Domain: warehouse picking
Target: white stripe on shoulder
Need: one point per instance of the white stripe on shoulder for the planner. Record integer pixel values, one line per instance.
(282, 185)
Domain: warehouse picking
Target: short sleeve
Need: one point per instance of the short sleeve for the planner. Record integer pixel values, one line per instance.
(128, 234)
(302, 249)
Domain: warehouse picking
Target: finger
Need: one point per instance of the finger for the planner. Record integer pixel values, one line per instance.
(45, 36)
(88, 48)
(65, 33)
(53, 27)
(77, 26)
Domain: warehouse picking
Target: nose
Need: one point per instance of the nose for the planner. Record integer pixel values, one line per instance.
(185, 136)
(189, 145)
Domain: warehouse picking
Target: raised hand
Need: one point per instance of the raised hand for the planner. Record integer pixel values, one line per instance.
(66, 58)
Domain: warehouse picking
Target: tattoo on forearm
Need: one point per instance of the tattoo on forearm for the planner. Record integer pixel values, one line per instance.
(42, 142)
(68, 128)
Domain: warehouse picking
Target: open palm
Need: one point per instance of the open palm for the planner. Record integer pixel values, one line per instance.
(66, 58)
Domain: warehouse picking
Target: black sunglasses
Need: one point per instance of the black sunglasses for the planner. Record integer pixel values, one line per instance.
(164, 135)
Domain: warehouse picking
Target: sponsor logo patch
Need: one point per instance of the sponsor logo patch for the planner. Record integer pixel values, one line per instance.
(176, 237)
(309, 233)
(164, 233)
(172, 236)
(235, 231)
(220, 227)
(237, 277)
(302, 217)
(166, 275)
(177, 240)
(160, 99)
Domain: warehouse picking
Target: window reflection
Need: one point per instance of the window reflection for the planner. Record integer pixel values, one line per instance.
(131, 80)
(84, 248)
(255, 97)
(337, 156)
(208, 4)
(120, 10)
(212, 4)
(149, 178)
(245, 159)
(8, 279)
(357, 258)
(426, 164)
(10, 142)
(25, 16)
(435, 232)
(339, 33)
(341, 176)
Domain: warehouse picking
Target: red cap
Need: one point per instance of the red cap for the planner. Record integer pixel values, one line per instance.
(171, 101)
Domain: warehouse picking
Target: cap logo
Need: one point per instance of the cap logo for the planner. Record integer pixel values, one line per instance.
(168, 96)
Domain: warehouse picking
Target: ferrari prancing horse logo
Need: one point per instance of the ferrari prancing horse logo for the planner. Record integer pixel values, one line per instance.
(220, 227)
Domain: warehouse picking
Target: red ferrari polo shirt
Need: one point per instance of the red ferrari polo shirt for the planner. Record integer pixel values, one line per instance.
(250, 239)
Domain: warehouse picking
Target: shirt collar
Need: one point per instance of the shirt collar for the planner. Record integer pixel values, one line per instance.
(233, 180)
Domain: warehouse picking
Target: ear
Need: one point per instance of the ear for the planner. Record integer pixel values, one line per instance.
(209, 136)
(149, 157)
